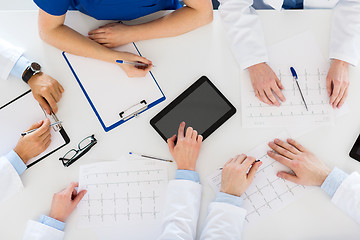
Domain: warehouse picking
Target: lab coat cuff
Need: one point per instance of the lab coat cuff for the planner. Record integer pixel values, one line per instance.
(230, 199)
(246, 64)
(19, 67)
(187, 175)
(16, 162)
(351, 60)
(51, 222)
(333, 181)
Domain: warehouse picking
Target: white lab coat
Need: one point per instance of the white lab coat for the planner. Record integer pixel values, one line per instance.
(10, 182)
(225, 221)
(246, 37)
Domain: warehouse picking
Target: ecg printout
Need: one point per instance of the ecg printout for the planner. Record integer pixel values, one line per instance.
(267, 194)
(302, 53)
(122, 192)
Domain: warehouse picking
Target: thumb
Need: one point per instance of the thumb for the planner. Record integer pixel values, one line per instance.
(44, 105)
(288, 176)
(36, 125)
(79, 196)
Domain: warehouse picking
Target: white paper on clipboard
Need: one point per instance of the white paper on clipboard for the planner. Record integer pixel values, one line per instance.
(108, 87)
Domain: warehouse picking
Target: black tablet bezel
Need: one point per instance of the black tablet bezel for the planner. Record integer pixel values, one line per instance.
(186, 93)
(354, 149)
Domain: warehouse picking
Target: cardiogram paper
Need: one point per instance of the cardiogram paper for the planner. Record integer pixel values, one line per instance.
(302, 53)
(267, 194)
(122, 192)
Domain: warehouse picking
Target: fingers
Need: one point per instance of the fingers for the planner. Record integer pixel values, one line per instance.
(143, 60)
(297, 145)
(45, 127)
(181, 130)
(335, 93)
(340, 96)
(279, 84)
(199, 139)
(282, 151)
(44, 105)
(79, 196)
(272, 98)
(264, 98)
(171, 143)
(276, 88)
(288, 176)
(97, 31)
(51, 100)
(254, 168)
(189, 132)
(69, 190)
(343, 98)
(281, 159)
(247, 162)
(239, 158)
(194, 135)
(61, 89)
(287, 146)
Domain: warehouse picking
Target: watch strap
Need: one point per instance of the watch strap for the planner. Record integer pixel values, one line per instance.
(28, 73)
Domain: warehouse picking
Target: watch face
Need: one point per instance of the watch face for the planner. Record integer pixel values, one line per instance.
(35, 67)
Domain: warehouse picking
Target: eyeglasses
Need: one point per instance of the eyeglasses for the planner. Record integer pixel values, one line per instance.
(74, 154)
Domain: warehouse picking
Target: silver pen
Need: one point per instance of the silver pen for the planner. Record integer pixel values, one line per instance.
(33, 130)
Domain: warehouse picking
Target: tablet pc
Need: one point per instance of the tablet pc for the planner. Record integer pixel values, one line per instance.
(355, 151)
(202, 106)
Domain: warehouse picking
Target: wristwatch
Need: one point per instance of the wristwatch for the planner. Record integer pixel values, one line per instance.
(30, 71)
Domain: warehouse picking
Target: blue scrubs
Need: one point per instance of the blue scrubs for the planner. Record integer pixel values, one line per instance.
(108, 9)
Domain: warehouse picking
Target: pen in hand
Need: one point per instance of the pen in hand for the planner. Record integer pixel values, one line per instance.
(138, 65)
(257, 160)
(33, 130)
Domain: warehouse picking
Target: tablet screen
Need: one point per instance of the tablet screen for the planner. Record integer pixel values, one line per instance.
(201, 106)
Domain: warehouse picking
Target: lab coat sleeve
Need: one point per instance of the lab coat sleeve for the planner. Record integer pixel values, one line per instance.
(10, 182)
(39, 231)
(224, 221)
(244, 32)
(181, 210)
(8, 57)
(347, 196)
(345, 32)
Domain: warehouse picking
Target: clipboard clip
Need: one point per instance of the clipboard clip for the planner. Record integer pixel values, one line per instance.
(134, 110)
(53, 119)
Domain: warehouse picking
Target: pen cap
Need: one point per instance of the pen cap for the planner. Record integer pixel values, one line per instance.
(293, 72)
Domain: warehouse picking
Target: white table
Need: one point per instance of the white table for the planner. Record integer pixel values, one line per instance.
(180, 61)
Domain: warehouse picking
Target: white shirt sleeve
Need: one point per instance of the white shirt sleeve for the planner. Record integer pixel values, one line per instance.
(347, 196)
(39, 231)
(181, 210)
(10, 182)
(224, 221)
(345, 32)
(244, 32)
(8, 57)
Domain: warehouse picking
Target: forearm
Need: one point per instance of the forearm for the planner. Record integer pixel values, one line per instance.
(244, 32)
(176, 23)
(68, 40)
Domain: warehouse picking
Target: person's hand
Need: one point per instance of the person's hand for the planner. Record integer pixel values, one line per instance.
(307, 168)
(187, 148)
(34, 143)
(112, 35)
(64, 202)
(45, 87)
(133, 70)
(236, 176)
(337, 82)
(266, 84)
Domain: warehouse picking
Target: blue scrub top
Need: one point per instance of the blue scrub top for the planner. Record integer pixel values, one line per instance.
(108, 9)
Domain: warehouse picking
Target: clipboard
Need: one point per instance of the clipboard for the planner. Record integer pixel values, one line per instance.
(114, 97)
(18, 115)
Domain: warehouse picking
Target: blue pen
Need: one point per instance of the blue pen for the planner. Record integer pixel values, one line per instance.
(132, 63)
(293, 72)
